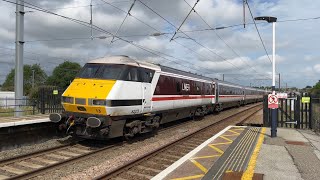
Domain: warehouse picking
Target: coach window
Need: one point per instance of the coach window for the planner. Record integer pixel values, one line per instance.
(178, 87)
(208, 87)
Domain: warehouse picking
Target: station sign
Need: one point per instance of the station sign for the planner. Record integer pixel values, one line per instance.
(305, 100)
(282, 95)
(273, 101)
(55, 92)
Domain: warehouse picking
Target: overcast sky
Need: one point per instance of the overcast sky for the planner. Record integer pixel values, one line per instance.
(236, 51)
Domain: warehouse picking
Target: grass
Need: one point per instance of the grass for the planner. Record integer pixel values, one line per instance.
(316, 116)
(9, 112)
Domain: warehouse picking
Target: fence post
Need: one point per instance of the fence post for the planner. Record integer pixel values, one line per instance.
(310, 113)
(302, 121)
(297, 112)
(42, 102)
(33, 106)
(265, 111)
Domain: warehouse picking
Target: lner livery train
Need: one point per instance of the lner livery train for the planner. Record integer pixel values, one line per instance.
(118, 96)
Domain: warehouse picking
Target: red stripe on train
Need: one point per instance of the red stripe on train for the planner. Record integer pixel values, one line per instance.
(180, 98)
(167, 98)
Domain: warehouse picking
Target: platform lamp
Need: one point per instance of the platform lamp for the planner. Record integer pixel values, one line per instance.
(274, 115)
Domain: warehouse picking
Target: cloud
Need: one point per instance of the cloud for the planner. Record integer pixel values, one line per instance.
(227, 51)
(317, 68)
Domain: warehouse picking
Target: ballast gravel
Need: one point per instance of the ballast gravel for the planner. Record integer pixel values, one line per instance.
(35, 147)
(110, 159)
(94, 167)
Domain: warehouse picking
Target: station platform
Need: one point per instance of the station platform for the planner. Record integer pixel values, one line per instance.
(244, 152)
(23, 120)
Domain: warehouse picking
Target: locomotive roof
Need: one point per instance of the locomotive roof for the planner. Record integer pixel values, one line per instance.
(124, 60)
(180, 72)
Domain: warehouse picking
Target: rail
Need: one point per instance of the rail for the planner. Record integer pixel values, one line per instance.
(124, 168)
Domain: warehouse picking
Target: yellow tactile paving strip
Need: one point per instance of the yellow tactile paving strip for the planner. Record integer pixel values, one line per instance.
(248, 174)
(235, 162)
(197, 166)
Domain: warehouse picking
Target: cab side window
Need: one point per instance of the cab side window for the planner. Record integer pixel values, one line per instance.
(132, 74)
(146, 75)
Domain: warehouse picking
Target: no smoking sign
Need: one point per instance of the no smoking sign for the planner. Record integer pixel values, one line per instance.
(272, 101)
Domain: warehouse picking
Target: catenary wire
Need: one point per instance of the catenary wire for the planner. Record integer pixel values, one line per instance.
(188, 35)
(128, 13)
(101, 30)
(264, 47)
(165, 34)
(192, 8)
(216, 33)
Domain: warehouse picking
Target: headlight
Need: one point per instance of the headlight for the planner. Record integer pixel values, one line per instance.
(99, 102)
(66, 99)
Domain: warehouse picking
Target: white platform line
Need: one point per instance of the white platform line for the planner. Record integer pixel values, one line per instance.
(25, 122)
(175, 165)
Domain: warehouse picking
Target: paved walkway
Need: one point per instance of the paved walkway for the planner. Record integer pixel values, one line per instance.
(293, 154)
(23, 120)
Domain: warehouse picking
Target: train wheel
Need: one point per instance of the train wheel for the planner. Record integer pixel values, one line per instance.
(131, 129)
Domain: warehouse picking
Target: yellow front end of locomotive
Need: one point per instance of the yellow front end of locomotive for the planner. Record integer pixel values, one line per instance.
(87, 96)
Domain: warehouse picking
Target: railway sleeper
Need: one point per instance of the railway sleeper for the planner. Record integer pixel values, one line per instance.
(136, 175)
(144, 170)
(148, 168)
(163, 160)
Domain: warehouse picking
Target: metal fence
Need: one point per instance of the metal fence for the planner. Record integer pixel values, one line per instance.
(49, 100)
(316, 114)
(293, 113)
(8, 105)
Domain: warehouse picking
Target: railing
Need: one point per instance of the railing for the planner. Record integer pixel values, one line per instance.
(316, 114)
(49, 102)
(8, 105)
(293, 113)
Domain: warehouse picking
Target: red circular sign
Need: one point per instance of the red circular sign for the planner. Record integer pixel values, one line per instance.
(273, 99)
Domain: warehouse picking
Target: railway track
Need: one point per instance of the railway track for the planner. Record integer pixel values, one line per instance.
(33, 164)
(152, 163)
(29, 165)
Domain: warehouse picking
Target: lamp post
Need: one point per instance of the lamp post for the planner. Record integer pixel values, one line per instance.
(274, 115)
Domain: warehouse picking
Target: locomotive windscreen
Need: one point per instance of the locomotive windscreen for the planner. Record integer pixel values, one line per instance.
(100, 71)
(116, 72)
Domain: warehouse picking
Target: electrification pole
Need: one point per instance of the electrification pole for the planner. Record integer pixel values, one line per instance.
(274, 116)
(91, 19)
(279, 82)
(274, 111)
(32, 78)
(18, 78)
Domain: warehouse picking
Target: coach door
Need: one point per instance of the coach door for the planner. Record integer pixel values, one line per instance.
(217, 87)
(213, 85)
(146, 90)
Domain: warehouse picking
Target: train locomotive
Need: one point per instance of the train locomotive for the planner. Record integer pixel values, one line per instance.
(119, 96)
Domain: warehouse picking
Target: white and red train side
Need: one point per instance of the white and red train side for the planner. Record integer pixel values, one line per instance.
(118, 96)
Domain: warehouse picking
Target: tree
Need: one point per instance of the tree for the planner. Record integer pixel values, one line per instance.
(315, 91)
(40, 78)
(63, 74)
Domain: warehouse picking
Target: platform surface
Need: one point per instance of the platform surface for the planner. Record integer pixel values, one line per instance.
(23, 120)
(241, 152)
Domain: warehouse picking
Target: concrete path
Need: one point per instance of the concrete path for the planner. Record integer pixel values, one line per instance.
(293, 154)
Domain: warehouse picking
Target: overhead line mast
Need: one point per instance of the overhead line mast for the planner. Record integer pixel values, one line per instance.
(18, 78)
